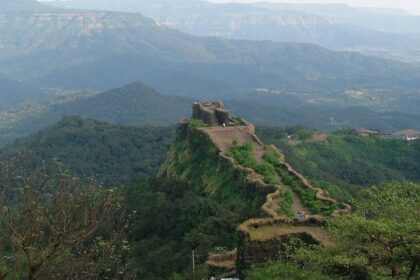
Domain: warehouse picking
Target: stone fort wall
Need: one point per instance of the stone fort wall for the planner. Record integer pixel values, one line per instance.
(212, 114)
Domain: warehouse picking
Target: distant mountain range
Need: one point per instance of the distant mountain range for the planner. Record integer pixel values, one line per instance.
(101, 50)
(49, 47)
(388, 33)
(378, 19)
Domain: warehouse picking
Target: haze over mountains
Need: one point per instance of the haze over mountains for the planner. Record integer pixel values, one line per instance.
(137, 104)
(85, 49)
(58, 49)
(13, 93)
(91, 100)
(381, 32)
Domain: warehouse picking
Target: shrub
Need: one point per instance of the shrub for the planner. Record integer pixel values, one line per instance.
(286, 205)
(243, 155)
(195, 123)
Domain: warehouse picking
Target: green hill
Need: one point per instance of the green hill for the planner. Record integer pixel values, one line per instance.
(135, 104)
(112, 154)
(348, 160)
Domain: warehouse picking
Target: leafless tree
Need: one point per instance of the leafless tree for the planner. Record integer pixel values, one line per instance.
(50, 224)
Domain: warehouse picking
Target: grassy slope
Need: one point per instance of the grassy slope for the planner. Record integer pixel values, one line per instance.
(350, 160)
(196, 161)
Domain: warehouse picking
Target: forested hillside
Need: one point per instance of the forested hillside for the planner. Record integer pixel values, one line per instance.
(134, 104)
(345, 160)
(348, 160)
(114, 155)
(196, 203)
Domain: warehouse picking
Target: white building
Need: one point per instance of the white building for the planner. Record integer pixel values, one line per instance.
(407, 135)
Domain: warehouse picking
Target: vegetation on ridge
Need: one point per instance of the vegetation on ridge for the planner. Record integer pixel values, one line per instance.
(196, 204)
(308, 196)
(195, 159)
(348, 160)
(243, 154)
(379, 240)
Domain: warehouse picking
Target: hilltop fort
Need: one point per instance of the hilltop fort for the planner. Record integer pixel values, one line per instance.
(212, 114)
(225, 158)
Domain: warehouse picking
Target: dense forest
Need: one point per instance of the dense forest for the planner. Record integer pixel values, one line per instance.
(113, 155)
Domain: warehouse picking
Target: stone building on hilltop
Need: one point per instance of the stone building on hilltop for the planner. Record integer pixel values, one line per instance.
(212, 114)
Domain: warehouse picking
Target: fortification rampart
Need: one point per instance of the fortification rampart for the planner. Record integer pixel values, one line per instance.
(254, 250)
(320, 194)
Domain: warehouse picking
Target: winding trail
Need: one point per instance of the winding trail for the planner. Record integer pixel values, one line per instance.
(274, 225)
(224, 137)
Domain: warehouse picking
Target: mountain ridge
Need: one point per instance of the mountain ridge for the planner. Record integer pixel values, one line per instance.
(277, 22)
(74, 49)
(134, 41)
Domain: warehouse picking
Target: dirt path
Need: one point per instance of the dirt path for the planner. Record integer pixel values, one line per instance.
(297, 203)
(224, 137)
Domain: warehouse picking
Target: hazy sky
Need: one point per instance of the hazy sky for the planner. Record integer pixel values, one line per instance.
(412, 6)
